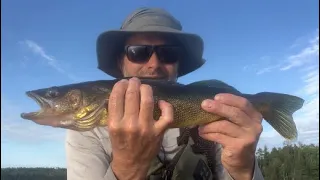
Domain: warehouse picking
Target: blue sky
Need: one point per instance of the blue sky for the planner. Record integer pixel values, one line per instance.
(254, 46)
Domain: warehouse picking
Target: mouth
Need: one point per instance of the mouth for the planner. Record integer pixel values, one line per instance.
(42, 104)
(155, 77)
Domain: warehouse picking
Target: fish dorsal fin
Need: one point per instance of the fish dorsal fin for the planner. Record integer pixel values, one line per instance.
(214, 83)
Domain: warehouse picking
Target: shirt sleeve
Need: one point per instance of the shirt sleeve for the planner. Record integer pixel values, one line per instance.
(224, 174)
(86, 158)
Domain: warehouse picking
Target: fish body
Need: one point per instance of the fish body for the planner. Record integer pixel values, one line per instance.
(83, 106)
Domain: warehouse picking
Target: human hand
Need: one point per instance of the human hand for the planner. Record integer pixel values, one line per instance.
(238, 134)
(134, 134)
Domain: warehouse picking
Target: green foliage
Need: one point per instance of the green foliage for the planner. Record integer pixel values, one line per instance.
(288, 162)
(33, 174)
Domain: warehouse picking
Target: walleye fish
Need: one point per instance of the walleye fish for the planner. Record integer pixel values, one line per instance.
(83, 106)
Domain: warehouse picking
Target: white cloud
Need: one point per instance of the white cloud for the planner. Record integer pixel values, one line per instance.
(307, 119)
(312, 83)
(267, 69)
(305, 57)
(40, 51)
(49, 59)
(14, 128)
(255, 67)
(304, 40)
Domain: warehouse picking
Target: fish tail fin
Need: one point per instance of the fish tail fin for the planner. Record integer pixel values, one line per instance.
(278, 109)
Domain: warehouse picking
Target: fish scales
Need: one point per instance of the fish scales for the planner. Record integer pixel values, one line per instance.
(186, 102)
(83, 106)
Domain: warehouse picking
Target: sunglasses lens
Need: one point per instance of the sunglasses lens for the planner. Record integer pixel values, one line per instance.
(138, 54)
(169, 54)
(142, 53)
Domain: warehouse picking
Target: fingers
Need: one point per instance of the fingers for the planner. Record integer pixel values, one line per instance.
(133, 102)
(134, 134)
(231, 113)
(166, 117)
(241, 103)
(146, 106)
(132, 99)
(223, 127)
(116, 101)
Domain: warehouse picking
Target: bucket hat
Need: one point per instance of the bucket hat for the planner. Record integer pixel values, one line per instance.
(157, 20)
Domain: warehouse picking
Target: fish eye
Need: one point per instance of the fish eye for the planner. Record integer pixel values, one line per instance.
(52, 93)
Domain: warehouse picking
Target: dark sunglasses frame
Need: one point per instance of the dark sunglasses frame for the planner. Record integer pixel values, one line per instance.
(160, 50)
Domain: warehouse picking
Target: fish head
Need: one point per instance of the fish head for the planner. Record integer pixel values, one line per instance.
(56, 104)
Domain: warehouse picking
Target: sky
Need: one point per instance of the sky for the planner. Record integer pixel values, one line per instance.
(254, 46)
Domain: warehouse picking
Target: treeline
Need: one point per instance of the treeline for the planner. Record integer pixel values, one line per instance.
(298, 162)
(33, 174)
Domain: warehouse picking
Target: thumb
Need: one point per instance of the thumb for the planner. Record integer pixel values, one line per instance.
(166, 117)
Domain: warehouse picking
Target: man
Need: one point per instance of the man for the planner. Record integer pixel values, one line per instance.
(151, 44)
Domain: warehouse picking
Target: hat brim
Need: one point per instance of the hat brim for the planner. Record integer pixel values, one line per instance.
(109, 45)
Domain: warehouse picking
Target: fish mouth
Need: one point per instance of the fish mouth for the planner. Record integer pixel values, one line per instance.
(46, 115)
(42, 104)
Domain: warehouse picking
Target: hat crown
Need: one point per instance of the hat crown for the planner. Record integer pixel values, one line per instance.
(145, 17)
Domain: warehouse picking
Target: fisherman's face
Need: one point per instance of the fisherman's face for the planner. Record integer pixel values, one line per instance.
(137, 62)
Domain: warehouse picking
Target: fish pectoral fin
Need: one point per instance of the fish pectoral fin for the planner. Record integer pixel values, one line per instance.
(92, 116)
(83, 112)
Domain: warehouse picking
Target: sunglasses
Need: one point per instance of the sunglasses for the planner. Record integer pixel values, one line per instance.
(168, 54)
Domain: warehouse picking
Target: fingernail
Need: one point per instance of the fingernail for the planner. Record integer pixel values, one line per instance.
(217, 97)
(207, 103)
(122, 81)
(135, 79)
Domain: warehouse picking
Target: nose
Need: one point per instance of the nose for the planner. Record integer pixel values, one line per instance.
(153, 61)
